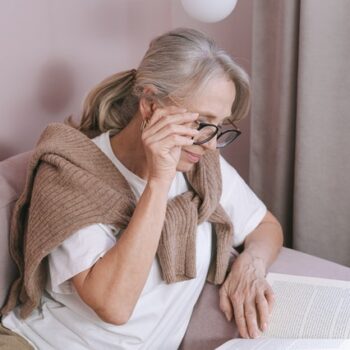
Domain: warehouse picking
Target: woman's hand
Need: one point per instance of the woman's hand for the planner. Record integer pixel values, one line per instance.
(163, 137)
(247, 295)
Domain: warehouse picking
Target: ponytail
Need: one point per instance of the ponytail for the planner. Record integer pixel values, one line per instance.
(177, 64)
(110, 105)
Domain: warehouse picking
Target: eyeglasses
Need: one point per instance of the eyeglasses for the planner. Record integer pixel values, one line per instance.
(225, 134)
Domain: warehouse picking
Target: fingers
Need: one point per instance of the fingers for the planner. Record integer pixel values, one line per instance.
(225, 305)
(270, 297)
(171, 129)
(168, 125)
(246, 317)
(161, 119)
(171, 141)
(169, 137)
(163, 138)
(251, 318)
(251, 311)
(257, 311)
(238, 309)
(235, 305)
(251, 296)
(159, 113)
(263, 311)
(169, 114)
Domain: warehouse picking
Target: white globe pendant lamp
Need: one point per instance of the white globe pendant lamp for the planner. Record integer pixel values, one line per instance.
(209, 11)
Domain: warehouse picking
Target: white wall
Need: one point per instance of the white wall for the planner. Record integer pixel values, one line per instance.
(53, 52)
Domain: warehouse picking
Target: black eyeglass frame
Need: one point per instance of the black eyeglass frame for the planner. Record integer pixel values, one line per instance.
(218, 133)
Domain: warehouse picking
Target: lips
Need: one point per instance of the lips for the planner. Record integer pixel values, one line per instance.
(193, 157)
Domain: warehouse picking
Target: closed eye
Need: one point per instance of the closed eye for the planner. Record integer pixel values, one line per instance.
(203, 119)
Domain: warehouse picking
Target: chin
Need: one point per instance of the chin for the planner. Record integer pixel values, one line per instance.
(184, 166)
(184, 169)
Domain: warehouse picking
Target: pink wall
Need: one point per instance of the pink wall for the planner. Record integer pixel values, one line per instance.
(53, 52)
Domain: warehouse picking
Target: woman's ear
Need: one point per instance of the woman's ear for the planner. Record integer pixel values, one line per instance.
(147, 105)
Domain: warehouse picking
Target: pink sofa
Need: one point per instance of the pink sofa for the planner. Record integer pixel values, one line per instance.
(208, 327)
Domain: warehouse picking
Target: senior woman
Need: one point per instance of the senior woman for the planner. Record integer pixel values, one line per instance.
(116, 233)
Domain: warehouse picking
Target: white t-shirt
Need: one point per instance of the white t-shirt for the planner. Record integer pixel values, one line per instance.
(163, 311)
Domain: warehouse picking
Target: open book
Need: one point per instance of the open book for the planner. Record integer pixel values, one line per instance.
(309, 313)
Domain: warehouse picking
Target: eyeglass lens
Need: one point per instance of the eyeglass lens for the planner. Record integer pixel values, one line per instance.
(205, 134)
(226, 137)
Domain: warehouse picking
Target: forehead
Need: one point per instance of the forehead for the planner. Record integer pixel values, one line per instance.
(214, 99)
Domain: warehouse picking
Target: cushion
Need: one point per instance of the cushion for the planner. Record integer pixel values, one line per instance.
(12, 178)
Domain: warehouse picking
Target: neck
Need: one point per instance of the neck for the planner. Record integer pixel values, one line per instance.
(127, 147)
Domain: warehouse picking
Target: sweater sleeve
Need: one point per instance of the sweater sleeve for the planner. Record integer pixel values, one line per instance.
(77, 253)
(242, 205)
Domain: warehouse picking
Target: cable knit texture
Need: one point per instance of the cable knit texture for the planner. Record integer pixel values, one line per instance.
(71, 184)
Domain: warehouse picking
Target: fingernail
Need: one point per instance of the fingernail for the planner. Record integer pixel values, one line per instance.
(227, 316)
(264, 326)
(256, 335)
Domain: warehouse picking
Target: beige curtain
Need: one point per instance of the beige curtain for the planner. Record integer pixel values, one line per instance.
(300, 123)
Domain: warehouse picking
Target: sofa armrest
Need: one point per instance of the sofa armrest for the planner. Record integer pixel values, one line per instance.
(208, 328)
(12, 178)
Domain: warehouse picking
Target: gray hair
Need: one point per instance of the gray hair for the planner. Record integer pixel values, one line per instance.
(177, 63)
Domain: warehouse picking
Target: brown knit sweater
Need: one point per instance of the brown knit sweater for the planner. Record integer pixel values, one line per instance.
(71, 184)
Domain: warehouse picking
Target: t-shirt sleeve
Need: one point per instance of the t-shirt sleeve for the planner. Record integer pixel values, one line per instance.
(242, 205)
(77, 253)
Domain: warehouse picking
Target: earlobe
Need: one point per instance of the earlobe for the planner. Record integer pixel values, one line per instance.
(146, 108)
(147, 105)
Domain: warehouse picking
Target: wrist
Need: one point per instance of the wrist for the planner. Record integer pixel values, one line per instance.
(249, 258)
(159, 184)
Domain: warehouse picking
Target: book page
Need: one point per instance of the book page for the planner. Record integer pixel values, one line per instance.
(285, 344)
(308, 307)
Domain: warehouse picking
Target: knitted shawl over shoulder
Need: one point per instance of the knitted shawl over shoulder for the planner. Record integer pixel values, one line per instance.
(71, 183)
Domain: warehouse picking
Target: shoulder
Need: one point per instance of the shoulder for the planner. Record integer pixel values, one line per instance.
(229, 174)
(234, 187)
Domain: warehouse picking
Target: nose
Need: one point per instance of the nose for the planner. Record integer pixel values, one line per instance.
(210, 145)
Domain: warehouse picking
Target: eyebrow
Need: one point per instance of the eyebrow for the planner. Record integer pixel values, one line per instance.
(210, 116)
(207, 115)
